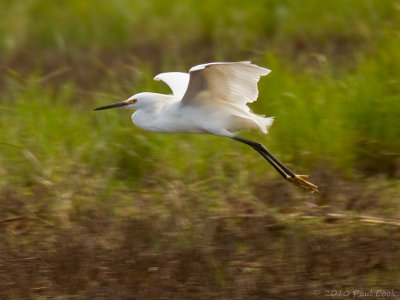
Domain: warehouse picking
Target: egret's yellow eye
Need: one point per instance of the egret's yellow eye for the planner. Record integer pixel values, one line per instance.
(131, 101)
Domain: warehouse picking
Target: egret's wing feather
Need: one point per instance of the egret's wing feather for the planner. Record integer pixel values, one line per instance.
(177, 81)
(234, 82)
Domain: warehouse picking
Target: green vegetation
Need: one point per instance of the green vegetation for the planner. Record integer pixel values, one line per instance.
(73, 180)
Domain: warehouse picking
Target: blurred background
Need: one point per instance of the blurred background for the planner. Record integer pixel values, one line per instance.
(92, 207)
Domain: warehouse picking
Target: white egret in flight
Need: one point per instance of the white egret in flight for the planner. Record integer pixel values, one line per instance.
(211, 99)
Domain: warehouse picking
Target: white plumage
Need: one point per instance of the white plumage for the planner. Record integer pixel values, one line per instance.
(212, 99)
(177, 81)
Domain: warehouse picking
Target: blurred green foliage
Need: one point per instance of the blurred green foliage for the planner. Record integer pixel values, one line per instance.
(334, 89)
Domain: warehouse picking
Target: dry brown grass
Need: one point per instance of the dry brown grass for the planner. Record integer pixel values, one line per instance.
(243, 254)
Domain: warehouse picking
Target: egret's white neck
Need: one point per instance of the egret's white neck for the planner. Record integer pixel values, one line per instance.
(149, 101)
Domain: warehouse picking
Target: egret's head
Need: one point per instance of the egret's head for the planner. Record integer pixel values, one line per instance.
(136, 101)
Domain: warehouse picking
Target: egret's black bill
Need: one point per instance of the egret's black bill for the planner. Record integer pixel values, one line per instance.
(118, 104)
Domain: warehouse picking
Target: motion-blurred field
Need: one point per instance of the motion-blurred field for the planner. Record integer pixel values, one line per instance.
(92, 207)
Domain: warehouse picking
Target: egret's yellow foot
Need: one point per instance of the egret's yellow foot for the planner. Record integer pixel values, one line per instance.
(300, 180)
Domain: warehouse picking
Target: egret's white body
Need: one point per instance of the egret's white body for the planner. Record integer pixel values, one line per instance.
(168, 115)
(212, 99)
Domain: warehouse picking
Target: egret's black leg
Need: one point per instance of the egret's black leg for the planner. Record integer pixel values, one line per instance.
(285, 172)
(298, 180)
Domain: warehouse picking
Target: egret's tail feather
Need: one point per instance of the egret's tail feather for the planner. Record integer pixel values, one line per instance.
(264, 123)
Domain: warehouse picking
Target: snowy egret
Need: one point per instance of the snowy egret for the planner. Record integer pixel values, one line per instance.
(211, 99)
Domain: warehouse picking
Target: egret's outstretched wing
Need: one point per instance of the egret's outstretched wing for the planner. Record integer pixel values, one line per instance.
(234, 82)
(177, 81)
